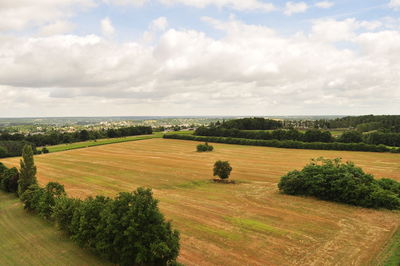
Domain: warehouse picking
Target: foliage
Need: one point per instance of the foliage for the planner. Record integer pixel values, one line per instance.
(45, 150)
(341, 182)
(86, 218)
(204, 147)
(31, 197)
(9, 179)
(390, 123)
(222, 169)
(63, 212)
(132, 231)
(351, 137)
(289, 143)
(47, 200)
(11, 148)
(27, 171)
(252, 123)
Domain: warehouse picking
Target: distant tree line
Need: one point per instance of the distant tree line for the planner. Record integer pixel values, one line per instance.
(291, 144)
(333, 180)
(311, 135)
(11, 144)
(386, 123)
(126, 230)
(250, 124)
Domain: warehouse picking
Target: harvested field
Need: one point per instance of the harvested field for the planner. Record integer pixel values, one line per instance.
(248, 223)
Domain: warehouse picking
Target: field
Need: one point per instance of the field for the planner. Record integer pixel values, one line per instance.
(27, 240)
(250, 223)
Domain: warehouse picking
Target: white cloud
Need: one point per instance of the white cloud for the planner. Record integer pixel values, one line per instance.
(159, 24)
(126, 2)
(234, 4)
(58, 27)
(251, 70)
(325, 4)
(106, 27)
(22, 14)
(295, 7)
(395, 4)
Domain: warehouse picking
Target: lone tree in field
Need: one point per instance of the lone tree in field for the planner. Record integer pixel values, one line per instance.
(28, 170)
(222, 169)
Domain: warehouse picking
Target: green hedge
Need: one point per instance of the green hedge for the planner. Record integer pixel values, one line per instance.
(289, 144)
(333, 180)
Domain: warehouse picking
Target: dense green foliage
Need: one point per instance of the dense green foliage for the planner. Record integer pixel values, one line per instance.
(11, 144)
(127, 230)
(204, 147)
(333, 180)
(289, 143)
(9, 179)
(251, 124)
(389, 123)
(27, 170)
(12, 148)
(222, 169)
(312, 135)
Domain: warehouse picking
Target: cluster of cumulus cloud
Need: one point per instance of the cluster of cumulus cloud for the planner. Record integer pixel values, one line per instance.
(338, 66)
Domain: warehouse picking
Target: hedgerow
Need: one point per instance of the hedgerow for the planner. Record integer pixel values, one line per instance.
(289, 143)
(333, 180)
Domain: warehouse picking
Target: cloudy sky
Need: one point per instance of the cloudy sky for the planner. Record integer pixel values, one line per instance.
(199, 57)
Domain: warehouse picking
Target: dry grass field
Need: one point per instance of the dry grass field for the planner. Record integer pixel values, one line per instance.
(249, 223)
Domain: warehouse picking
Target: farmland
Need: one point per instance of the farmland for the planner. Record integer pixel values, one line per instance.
(19, 231)
(247, 223)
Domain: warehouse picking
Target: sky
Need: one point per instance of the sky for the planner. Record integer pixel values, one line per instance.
(199, 57)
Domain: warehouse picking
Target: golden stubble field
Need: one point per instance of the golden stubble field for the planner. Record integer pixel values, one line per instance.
(250, 223)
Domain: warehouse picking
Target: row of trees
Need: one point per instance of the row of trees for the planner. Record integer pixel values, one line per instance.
(251, 124)
(312, 135)
(289, 143)
(333, 180)
(388, 123)
(10, 148)
(56, 137)
(126, 230)
(11, 144)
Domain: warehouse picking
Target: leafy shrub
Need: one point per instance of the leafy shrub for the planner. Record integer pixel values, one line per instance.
(45, 150)
(132, 231)
(222, 169)
(85, 220)
(204, 147)
(341, 182)
(31, 197)
(47, 200)
(9, 180)
(63, 212)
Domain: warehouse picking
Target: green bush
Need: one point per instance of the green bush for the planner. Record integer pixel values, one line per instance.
(47, 200)
(31, 197)
(9, 180)
(132, 231)
(222, 169)
(63, 212)
(341, 182)
(204, 147)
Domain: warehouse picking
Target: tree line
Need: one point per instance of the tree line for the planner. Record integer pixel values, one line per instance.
(11, 144)
(386, 123)
(336, 181)
(291, 144)
(250, 124)
(126, 230)
(311, 135)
